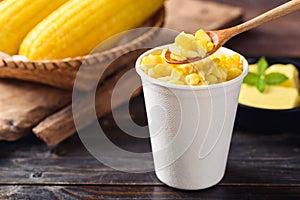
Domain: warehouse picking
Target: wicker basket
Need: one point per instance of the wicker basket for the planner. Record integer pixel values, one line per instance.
(62, 73)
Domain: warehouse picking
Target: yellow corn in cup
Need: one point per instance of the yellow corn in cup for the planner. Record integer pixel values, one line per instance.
(191, 125)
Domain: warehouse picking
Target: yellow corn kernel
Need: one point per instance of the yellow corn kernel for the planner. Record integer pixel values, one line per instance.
(78, 26)
(152, 59)
(233, 73)
(186, 68)
(232, 63)
(211, 79)
(222, 58)
(202, 35)
(177, 57)
(152, 74)
(193, 79)
(217, 72)
(236, 57)
(184, 40)
(202, 75)
(162, 70)
(176, 74)
(18, 17)
(209, 46)
(189, 53)
(202, 43)
(215, 59)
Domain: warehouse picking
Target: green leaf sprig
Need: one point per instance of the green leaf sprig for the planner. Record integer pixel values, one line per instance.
(261, 79)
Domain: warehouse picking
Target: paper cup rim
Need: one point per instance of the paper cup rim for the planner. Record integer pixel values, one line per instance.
(145, 76)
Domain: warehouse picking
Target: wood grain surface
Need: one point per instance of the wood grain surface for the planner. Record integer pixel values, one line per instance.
(191, 15)
(260, 165)
(279, 38)
(60, 125)
(23, 105)
(146, 192)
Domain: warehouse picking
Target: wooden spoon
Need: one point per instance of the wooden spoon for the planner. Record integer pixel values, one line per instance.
(220, 37)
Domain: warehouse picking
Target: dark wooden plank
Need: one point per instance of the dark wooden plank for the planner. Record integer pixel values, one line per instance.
(255, 158)
(141, 192)
(277, 38)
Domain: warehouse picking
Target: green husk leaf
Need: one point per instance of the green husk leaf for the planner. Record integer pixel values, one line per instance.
(275, 78)
(262, 65)
(251, 79)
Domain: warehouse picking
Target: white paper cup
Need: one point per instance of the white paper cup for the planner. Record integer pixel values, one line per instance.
(190, 127)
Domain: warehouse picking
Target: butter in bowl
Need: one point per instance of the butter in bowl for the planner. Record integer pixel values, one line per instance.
(269, 98)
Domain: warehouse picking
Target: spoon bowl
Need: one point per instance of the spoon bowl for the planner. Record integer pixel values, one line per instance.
(220, 37)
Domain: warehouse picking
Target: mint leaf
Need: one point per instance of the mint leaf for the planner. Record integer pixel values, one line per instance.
(262, 65)
(260, 80)
(275, 78)
(251, 78)
(261, 85)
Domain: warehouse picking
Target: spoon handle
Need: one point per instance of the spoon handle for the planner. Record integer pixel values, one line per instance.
(275, 13)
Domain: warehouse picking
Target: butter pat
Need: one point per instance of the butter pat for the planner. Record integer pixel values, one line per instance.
(290, 71)
(287, 69)
(274, 97)
(282, 96)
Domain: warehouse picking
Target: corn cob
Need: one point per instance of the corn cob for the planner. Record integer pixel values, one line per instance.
(18, 17)
(80, 25)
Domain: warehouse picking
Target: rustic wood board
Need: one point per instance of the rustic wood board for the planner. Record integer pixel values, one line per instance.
(232, 192)
(257, 159)
(260, 165)
(23, 105)
(60, 125)
(191, 15)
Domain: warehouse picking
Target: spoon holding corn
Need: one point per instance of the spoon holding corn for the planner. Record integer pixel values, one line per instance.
(220, 37)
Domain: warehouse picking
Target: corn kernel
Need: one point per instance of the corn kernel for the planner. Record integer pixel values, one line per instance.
(209, 46)
(236, 57)
(192, 79)
(217, 72)
(190, 53)
(187, 68)
(233, 73)
(189, 46)
(202, 35)
(184, 40)
(176, 74)
(152, 74)
(216, 69)
(222, 59)
(202, 43)
(176, 57)
(211, 79)
(230, 61)
(202, 75)
(162, 70)
(152, 59)
(215, 59)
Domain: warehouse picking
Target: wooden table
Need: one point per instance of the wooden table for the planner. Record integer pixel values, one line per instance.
(260, 166)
